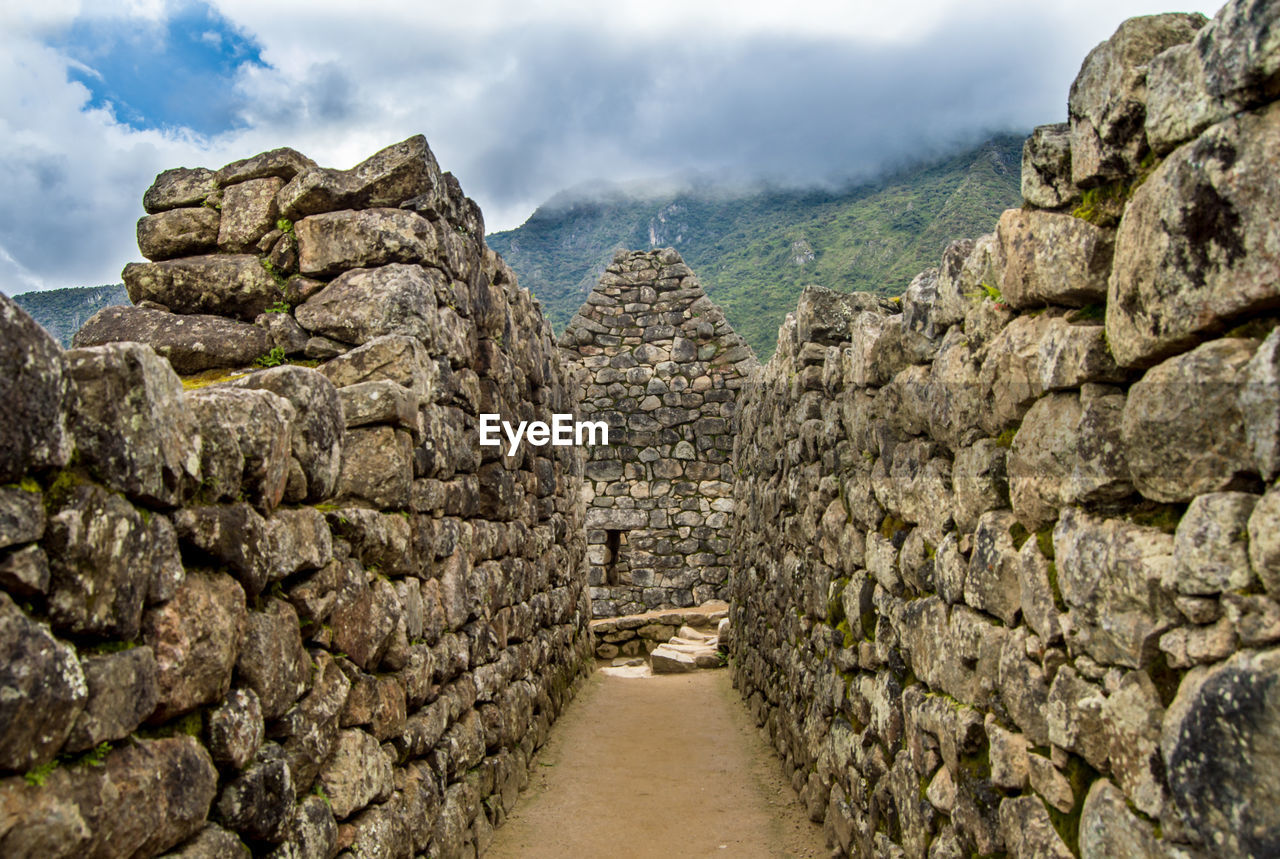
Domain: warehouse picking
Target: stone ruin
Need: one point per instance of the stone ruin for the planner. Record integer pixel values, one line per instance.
(1007, 550)
(294, 609)
(658, 361)
(1004, 565)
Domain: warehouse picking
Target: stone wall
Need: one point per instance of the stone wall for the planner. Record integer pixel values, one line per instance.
(1005, 552)
(290, 610)
(661, 365)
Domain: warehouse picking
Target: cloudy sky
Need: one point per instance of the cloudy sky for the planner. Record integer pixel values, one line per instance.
(519, 99)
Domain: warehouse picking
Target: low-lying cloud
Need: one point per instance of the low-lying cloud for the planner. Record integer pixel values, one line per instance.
(519, 108)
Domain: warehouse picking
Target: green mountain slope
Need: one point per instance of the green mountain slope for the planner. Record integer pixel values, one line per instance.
(63, 311)
(755, 252)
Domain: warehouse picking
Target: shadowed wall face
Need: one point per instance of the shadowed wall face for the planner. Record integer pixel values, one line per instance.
(657, 361)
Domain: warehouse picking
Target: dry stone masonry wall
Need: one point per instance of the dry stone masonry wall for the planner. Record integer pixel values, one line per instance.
(660, 364)
(1007, 549)
(292, 611)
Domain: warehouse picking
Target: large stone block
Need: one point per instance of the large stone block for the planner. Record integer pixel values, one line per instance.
(1229, 66)
(1107, 103)
(233, 536)
(1052, 259)
(145, 798)
(22, 518)
(1196, 248)
(1067, 451)
(1182, 427)
(259, 802)
(1074, 354)
(318, 424)
(363, 304)
(195, 637)
(130, 423)
(377, 466)
(395, 358)
(191, 343)
(1110, 574)
(283, 163)
(403, 172)
(271, 660)
(100, 564)
(248, 213)
(1210, 547)
(122, 693)
(181, 186)
(1218, 743)
(32, 393)
(252, 429)
(356, 774)
(178, 233)
(235, 285)
(337, 241)
(45, 690)
(1046, 167)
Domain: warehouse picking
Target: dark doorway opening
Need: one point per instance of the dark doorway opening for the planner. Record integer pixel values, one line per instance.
(613, 541)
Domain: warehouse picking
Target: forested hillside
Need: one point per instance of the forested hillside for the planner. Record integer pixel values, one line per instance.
(63, 311)
(755, 252)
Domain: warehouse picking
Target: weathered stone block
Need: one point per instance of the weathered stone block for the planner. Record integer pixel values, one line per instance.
(100, 568)
(1182, 427)
(195, 638)
(1110, 573)
(122, 693)
(130, 423)
(253, 429)
(1046, 167)
(1107, 103)
(191, 343)
(406, 171)
(318, 424)
(248, 213)
(337, 241)
(44, 686)
(178, 233)
(271, 660)
(32, 395)
(1052, 259)
(1212, 741)
(1195, 249)
(235, 285)
(365, 303)
(356, 774)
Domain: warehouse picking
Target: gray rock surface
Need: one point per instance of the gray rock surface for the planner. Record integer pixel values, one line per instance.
(130, 423)
(234, 285)
(178, 233)
(32, 393)
(1195, 249)
(191, 343)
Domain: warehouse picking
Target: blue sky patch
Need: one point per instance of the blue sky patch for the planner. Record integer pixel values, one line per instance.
(177, 72)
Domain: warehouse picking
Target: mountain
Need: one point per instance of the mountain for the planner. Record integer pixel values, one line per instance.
(755, 251)
(63, 311)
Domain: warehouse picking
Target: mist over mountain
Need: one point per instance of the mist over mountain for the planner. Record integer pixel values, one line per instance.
(755, 248)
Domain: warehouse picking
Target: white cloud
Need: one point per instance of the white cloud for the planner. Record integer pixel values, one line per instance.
(524, 99)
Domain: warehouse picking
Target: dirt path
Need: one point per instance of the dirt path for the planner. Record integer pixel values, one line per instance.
(657, 767)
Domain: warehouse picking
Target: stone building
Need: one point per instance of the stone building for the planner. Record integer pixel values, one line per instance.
(662, 366)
